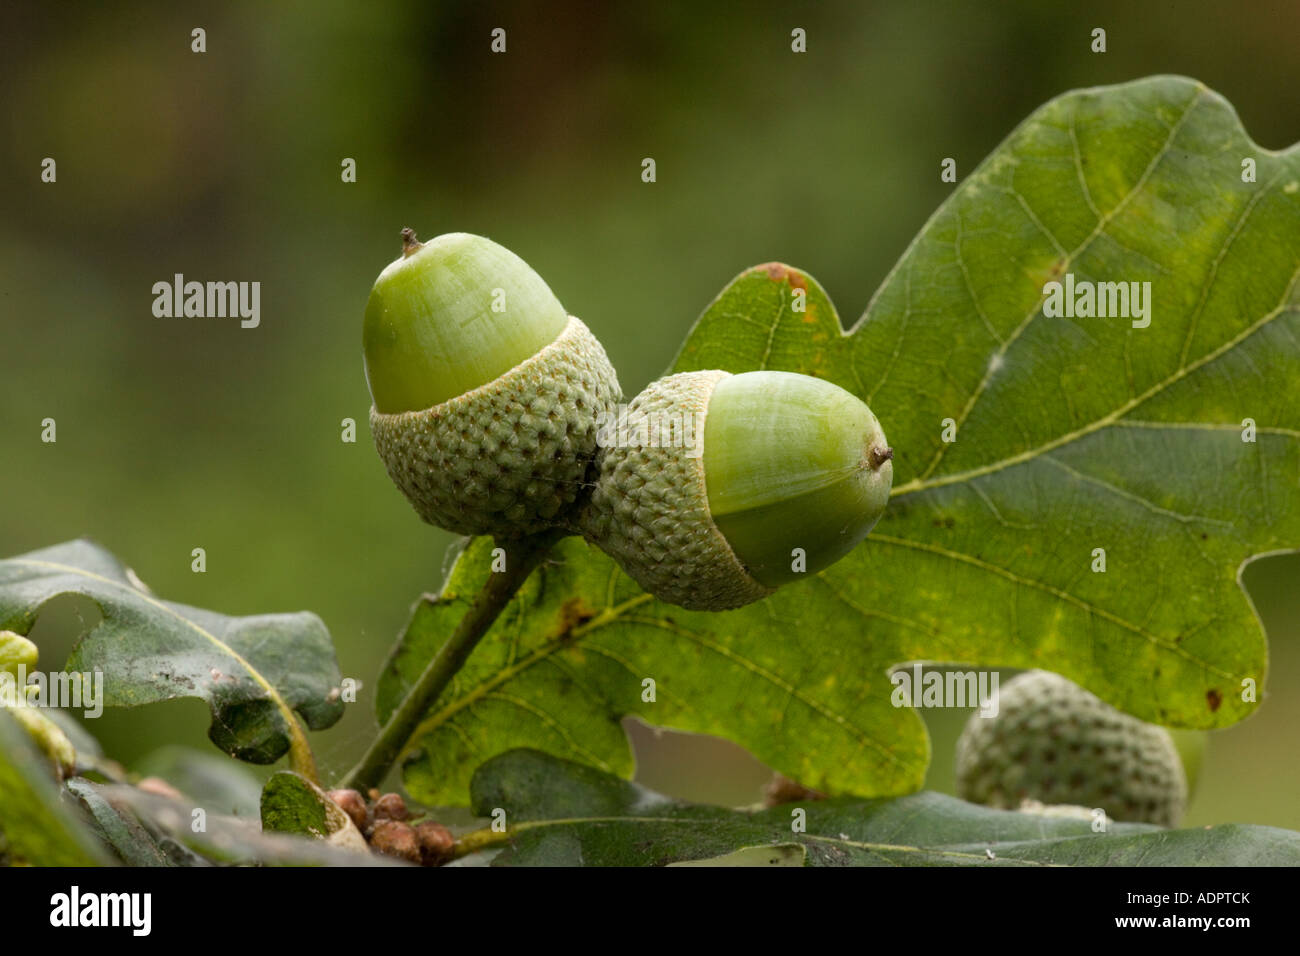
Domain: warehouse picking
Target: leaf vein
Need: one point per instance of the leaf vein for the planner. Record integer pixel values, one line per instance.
(1090, 609)
(776, 681)
(1037, 308)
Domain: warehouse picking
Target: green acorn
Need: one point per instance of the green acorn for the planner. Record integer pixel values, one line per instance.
(1056, 743)
(716, 489)
(486, 392)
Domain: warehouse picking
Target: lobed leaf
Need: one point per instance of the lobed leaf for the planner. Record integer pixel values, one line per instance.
(1072, 435)
(252, 671)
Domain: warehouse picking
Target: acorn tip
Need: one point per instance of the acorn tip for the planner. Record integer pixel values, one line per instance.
(409, 242)
(878, 456)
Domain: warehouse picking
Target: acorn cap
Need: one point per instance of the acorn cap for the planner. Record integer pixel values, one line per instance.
(1055, 742)
(506, 441)
(510, 457)
(711, 481)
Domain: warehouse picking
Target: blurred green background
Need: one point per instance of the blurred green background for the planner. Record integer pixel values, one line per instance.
(175, 434)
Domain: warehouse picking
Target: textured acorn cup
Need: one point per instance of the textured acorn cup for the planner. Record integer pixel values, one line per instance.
(712, 480)
(486, 393)
(1054, 742)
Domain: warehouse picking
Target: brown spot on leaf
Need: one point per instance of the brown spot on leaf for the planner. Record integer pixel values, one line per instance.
(781, 789)
(573, 612)
(1213, 698)
(780, 272)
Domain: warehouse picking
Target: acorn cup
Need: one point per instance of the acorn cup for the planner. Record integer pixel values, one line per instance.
(1054, 742)
(486, 392)
(716, 489)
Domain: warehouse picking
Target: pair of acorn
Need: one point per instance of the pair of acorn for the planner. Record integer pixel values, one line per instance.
(498, 413)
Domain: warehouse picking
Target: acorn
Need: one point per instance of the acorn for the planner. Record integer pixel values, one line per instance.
(1055, 743)
(486, 393)
(716, 489)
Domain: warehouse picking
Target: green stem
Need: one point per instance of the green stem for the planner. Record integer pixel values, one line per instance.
(301, 758)
(477, 840)
(523, 555)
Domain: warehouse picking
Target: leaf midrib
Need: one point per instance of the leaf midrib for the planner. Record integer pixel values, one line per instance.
(802, 838)
(1056, 592)
(918, 485)
(1102, 222)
